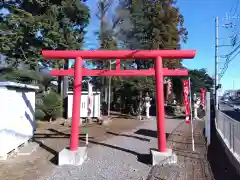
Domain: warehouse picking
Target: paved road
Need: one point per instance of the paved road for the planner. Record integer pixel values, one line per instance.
(228, 109)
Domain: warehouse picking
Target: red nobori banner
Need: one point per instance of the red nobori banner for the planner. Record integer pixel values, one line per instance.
(203, 96)
(186, 93)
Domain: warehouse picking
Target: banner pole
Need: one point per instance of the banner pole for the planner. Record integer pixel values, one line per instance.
(191, 119)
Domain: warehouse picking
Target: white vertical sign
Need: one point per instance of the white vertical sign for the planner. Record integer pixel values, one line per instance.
(208, 118)
(90, 99)
(191, 120)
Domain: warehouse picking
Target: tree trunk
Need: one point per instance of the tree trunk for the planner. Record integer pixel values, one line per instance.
(106, 93)
(140, 106)
(102, 88)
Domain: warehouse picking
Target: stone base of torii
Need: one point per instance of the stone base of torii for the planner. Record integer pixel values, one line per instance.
(75, 155)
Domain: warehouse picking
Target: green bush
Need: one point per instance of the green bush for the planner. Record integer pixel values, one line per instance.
(51, 105)
(39, 114)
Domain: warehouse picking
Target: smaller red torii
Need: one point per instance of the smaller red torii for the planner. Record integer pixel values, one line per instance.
(78, 72)
(118, 72)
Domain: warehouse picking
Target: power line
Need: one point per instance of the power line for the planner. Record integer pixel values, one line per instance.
(233, 41)
(231, 8)
(228, 60)
(236, 8)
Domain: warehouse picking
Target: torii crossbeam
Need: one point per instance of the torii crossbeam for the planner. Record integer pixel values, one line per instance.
(159, 72)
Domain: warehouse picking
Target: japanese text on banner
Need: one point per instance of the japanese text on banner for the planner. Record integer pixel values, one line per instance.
(203, 96)
(186, 100)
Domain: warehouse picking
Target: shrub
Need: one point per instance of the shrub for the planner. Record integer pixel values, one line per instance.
(51, 105)
(39, 114)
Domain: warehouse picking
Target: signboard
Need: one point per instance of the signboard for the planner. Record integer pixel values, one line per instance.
(203, 97)
(208, 118)
(90, 99)
(186, 93)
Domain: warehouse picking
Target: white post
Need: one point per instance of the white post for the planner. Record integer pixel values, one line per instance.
(109, 88)
(90, 103)
(191, 118)
(216, 61)
(90, 99)
(109, 91)
(86, 138)
(207, 118)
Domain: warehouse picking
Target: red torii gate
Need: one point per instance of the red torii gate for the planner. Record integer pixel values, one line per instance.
(158, 71)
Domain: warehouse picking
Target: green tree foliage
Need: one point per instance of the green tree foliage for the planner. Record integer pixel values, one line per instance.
(49, 106)
(140, 24)
(107, 40)
(19, 75)
(128, 93)
(32, 25)
(147, 24)
(27, 77)
(155, 25)
(200, 79)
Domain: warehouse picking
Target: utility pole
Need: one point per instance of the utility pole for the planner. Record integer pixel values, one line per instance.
(109, 90)
(109, 87)
(216, 61)
(65, 90)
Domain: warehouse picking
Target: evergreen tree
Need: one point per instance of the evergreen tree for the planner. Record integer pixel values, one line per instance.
(107, 40)
(28, 26)
(155, 25)
(200, 79)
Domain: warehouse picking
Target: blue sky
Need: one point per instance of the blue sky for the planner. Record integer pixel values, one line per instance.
(199, 20)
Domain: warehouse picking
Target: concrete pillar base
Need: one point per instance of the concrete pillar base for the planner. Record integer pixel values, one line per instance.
(67, 157)
(163, 158)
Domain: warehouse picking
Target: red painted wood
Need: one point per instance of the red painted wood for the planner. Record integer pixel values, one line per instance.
(117, 54)
(148, 72)
(160, 112)
(159, 72)
(118, 64)
(77, 89)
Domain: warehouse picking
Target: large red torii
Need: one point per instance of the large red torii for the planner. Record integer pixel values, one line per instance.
(158, 71)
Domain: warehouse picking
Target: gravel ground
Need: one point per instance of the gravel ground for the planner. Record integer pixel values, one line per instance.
(55, 137)
(123, 157)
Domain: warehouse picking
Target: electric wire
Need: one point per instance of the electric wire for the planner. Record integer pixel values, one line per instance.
(236, 8)
(227, 64)
(233, 40)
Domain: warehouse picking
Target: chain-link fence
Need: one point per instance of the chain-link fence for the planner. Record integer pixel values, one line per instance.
(229, 129)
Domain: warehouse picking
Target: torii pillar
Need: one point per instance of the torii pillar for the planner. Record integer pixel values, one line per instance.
(76, 155)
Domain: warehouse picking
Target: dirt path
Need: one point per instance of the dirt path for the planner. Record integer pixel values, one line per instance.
(55, 137)
(195, 164)
(190, 165)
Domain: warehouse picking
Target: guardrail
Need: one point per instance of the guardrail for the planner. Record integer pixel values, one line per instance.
(229, 130)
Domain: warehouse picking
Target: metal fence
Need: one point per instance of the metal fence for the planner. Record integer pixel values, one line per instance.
(229, 130)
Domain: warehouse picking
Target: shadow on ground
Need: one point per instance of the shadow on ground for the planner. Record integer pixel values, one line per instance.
(148, 133)
(143, 158)
(220, 164)
(55, 134)
(130, 136)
